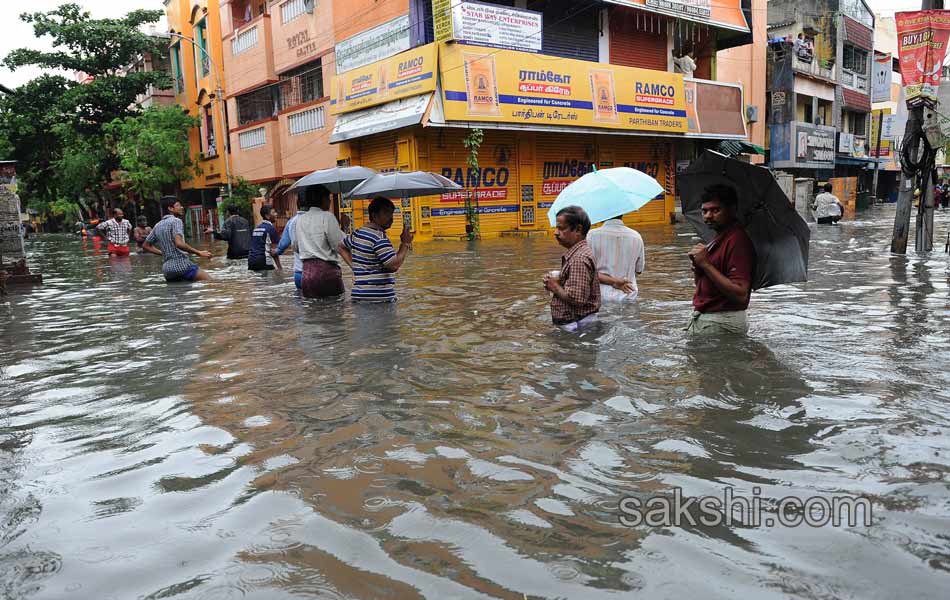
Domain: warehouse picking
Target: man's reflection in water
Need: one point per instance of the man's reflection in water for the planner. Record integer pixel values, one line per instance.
(751, 402)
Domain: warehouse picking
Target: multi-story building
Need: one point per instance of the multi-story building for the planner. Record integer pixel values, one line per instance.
(558, 87)
(819, 61)
(148, 63)
(194, 30)
(745, 65)
(278, 62)
(893, 109)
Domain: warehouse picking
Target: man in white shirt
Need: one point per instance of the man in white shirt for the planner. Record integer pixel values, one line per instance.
(684, 64)
(620, 256)
(317, 236)
(827, 207)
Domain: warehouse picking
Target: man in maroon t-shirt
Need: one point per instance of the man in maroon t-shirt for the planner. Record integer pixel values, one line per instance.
(723, 267)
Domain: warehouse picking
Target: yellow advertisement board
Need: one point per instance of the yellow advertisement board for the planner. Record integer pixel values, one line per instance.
(406, 74)
(486, 84)
(442, 20)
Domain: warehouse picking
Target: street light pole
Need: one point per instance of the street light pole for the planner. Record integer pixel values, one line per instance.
(219, 99)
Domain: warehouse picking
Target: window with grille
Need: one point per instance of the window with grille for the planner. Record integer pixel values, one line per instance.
(855, 60)
(177, 72)
(292, 9)
(857, 122)
(252, 138)
(201, 34)
(257, 105)
(301, 85)
(308, 120)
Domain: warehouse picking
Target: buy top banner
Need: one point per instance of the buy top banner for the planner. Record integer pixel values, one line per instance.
(406, 74)
(486, 84)
(922, 45)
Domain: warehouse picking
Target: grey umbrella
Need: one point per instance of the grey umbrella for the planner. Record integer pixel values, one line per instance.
(404, 185)
(339, 180)
(777, 231)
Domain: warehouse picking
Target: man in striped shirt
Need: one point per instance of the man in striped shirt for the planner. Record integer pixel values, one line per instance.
(372, 257)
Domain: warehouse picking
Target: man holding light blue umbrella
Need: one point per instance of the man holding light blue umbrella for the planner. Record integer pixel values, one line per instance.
(618, 250)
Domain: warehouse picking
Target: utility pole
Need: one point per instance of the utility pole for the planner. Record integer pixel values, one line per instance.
(877, 155)
(905, 197)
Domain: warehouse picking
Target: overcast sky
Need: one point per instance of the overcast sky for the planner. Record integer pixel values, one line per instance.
(17, 34)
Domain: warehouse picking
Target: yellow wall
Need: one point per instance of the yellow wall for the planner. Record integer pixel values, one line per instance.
(513, 165)
(182, 16)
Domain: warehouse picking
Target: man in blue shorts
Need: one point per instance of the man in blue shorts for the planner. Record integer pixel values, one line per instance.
(169, 234)
(262, 255)
(372, 257)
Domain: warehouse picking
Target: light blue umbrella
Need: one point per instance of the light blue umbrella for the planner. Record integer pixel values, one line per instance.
(607, 193)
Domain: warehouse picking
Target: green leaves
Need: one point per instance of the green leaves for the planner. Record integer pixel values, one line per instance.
(473, 141)
(153, 149)
(59, 129)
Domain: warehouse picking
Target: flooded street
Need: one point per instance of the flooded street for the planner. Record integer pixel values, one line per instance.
(230, 440)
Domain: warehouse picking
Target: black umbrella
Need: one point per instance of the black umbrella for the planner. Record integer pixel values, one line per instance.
(777, 231)
(338, 180)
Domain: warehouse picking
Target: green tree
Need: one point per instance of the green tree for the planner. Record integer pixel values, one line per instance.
(56, 126)
(29, 119)
(104, 49)
(152, 149)
(473, 141)
(243, 193)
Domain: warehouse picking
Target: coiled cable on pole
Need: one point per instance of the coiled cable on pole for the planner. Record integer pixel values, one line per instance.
(911, 143)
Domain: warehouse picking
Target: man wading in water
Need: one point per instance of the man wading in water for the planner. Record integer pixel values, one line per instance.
(723, 268)
(575, 288)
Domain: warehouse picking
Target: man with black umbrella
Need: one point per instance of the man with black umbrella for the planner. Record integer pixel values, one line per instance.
(723, 268)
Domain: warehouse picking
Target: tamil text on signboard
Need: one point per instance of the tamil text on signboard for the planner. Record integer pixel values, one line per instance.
(922, 46)
(407, 74)
(483, 84)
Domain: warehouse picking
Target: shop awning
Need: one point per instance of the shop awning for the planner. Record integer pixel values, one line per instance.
(736, 147)
(851, 161)
(397, 114)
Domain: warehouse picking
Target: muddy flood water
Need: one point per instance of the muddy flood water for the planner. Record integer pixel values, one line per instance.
(230, 440)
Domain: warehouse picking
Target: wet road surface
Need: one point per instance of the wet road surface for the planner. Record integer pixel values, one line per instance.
(230, 440)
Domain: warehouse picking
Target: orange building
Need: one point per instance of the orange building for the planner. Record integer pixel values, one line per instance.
(278, 59)
(196, 67)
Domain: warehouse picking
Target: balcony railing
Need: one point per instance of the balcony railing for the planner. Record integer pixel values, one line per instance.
(811, 67)
(244, 41)
(854, 80)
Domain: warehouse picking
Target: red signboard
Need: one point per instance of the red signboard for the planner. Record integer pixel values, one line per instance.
(922, 45)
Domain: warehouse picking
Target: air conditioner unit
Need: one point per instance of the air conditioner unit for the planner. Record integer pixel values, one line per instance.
(751, 114)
